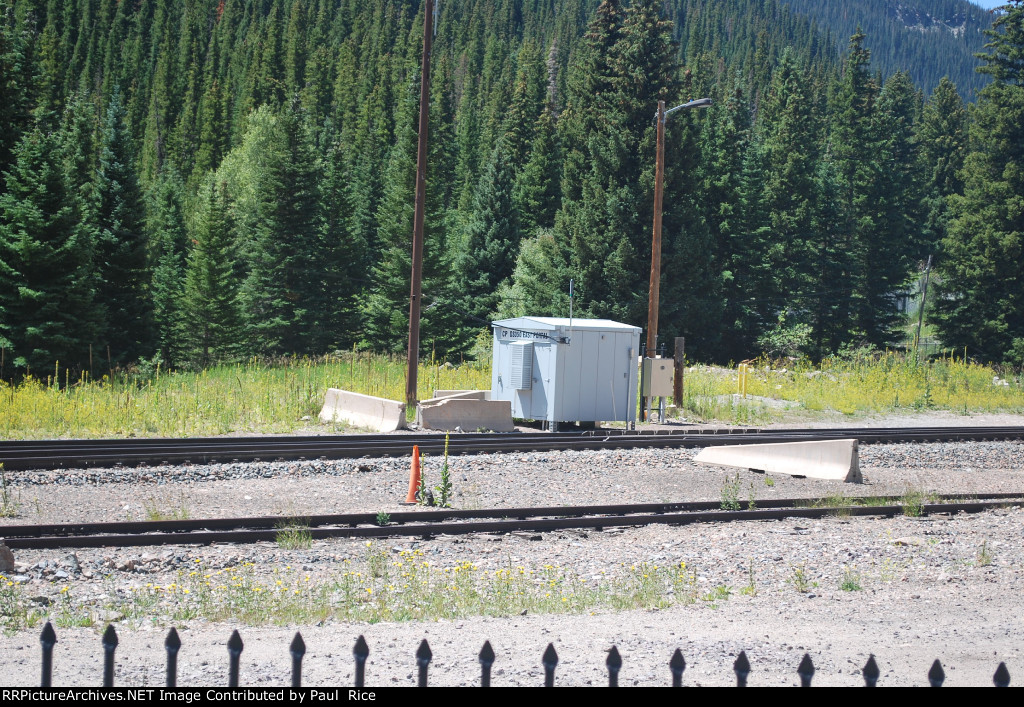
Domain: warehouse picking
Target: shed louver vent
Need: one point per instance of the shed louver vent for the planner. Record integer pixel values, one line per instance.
(522, 365)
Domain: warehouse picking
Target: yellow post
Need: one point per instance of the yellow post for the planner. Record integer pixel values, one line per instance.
(741, 388)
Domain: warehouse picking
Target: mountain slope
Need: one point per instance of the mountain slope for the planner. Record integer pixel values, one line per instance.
(928, 38)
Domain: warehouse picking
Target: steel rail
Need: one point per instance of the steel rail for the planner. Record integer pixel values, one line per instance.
(526, 519)
(56, 454)
(426, 515)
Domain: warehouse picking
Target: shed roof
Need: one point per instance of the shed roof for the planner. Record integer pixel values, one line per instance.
(553, 323)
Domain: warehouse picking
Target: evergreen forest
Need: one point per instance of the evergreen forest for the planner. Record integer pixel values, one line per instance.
(189, 182)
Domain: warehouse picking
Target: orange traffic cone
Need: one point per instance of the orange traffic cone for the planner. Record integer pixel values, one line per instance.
(414, 477)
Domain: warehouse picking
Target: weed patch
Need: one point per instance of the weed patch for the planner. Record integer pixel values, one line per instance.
(984, 555)
(851, 580)
(156, 510)
(731, 493)
(387, 586)
(913, 501)
(800, 581)
(293, 535)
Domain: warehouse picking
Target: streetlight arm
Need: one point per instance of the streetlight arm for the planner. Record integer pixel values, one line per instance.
(699, 103)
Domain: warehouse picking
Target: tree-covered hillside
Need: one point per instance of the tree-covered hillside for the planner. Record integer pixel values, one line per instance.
(204, 181)
(928, 39)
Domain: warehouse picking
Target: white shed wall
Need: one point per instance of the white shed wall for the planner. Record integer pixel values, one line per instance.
(593, 377)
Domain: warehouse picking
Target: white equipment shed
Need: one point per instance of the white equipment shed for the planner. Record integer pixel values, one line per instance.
(566, 370)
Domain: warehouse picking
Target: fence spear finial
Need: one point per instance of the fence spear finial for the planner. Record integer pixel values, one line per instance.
(109, 646)
(677, 664)
(549, 660)
(361, 651)
(805, 671)
(172, 644)
(1002, 676)
(742, 669)
(48, 639)
(486, 659)
(235, 647)
(423, 656)
(871, 672)
(614, 663)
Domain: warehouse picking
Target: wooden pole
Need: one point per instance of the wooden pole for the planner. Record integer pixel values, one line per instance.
(415, 289)
(679, 363)
(655, 286)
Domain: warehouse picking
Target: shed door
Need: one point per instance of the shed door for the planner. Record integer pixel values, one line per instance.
(543, 372)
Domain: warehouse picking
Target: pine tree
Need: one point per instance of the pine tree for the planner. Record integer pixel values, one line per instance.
(627, 65)
(980, 302)
(46, 262)
(385, 308)
(16, 79)
(942, 141)
(284, 289)
(536, 285)
(345, 259)
(895, 240)
(210, 308)
(857, 167)
(537, 192)
(165, 225)
(724, 168)
(121, 252)
(491, 239)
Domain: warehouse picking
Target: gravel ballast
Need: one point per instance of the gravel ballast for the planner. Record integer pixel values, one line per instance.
(926, 588)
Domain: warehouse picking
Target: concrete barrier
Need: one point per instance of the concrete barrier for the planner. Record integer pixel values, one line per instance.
(471, 394)
(366, 411)
(467, 414)
(836, 460)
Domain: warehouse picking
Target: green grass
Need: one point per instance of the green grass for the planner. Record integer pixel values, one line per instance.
(380, 587)
(275, 397)
(884, 383)
(293, 535)
(159, 509)
(9, 505)
(255, 396)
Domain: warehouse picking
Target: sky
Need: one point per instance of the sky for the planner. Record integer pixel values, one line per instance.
(989, 4)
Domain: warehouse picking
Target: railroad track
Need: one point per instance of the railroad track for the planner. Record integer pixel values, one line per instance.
(428, 523)
(63, 454)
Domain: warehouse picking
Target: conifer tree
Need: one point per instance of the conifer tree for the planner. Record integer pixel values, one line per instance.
(491, 239)
(46, 262)
(345, 258)
(165, 225)
(210, 309)
(385, 308)
(727, 144)
(537, 192)
(284, 290)
(980, 304)
(895, 240)
(536, 284)
(121, 250)
(855, 155)
(942, 139)
(16, 80)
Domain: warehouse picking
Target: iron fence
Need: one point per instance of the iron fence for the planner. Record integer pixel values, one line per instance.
(361, 651)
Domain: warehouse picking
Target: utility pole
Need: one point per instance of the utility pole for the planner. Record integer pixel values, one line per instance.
(416, 287)
(654, 290)
(659, 187)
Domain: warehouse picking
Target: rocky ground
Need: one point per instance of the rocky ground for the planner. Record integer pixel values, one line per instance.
(908, 590)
